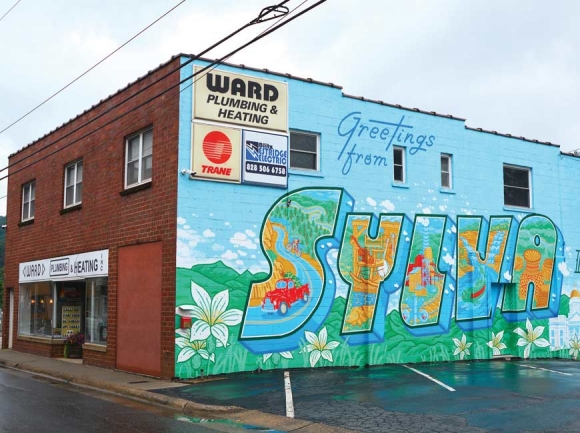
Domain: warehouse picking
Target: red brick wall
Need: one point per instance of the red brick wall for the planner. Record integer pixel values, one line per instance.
(106, 219)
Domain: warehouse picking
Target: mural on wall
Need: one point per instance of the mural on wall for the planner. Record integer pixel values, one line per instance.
(337, 267)
(478, 278)
(346, 288)
(299, 281)
(365, 262)
(356, 127)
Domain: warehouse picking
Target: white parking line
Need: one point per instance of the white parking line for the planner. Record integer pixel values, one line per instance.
(438, 382)
(545, 369)
(289, 401)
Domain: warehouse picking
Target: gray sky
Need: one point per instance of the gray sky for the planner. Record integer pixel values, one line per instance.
(509, 66)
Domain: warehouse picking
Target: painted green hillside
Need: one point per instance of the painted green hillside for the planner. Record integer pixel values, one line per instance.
(215, 277)
(399, 345)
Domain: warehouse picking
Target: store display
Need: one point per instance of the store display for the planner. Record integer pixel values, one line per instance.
(71, 320)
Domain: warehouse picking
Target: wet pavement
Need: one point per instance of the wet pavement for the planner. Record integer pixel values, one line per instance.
(28, 404)
(117, 384)
(498, 396)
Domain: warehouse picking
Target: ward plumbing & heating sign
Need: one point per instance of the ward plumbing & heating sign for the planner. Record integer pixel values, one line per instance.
(77, 266)
(222, 96)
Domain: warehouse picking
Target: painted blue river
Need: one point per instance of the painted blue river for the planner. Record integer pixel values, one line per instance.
(258, 323)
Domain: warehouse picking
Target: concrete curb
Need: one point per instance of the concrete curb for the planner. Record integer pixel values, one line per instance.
(185, 406)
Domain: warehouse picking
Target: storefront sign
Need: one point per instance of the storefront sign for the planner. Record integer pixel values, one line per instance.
(265, 159)
(233, 98)
(85, 265)
(216, 152)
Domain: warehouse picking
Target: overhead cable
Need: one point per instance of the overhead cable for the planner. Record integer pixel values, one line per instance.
(9, 10)
(261, 33)
(117, 105)
(156, 96)
(92, 67)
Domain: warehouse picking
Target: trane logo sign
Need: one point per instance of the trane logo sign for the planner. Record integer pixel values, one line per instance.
(238, 87)
(217, 148)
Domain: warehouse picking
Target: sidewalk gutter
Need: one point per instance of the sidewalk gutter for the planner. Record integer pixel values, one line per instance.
(186, 407)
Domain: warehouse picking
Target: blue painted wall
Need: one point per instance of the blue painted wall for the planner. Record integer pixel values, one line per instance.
(231, 239)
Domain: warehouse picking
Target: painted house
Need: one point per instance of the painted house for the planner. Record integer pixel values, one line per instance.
(565, 329)
(254, 219)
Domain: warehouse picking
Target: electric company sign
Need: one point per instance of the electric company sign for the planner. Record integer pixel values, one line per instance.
(240, 99)
(265, 159)
(216, 152)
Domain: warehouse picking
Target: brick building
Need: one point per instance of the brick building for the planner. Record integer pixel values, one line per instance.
(129, 221)
(259, 220)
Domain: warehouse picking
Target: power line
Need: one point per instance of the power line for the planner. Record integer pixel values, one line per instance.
(156, 96)
(261, 18)
(10, 9)
(92, 67)
(261, 33)
(207, 69)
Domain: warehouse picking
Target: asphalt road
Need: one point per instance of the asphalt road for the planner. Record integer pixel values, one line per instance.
(499, 396)
(30, 403)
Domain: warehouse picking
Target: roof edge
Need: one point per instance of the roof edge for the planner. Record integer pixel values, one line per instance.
(152, 71)
(284, 75)
(402, 107)
(267, 71)
(530, 140)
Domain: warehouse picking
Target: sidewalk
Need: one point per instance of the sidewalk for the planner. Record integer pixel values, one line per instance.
(138, 387)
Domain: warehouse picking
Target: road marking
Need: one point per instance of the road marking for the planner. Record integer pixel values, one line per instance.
(438, 382)
(545, 369)
(289, 402)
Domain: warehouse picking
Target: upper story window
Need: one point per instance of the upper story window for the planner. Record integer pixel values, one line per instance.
(73, 184)
(304, 151)
(139, 158)
(446, 181)
(399, 164)
(28, 193)
(517, 186)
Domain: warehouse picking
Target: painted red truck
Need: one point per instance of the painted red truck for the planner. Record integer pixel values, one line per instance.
(285, 294)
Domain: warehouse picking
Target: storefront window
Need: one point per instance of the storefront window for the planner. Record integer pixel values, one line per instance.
(61, 308)
(96, 317)
(36, 309)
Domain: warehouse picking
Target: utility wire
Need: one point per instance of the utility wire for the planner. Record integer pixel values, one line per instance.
(158, 95)
(10, 9)
(92, 67)
(261, 18)
(261, 33)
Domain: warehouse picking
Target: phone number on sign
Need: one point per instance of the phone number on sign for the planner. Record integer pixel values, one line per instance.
(259, 168)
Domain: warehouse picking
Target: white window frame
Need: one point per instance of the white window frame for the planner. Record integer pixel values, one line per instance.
(75, 200)
(96, 304)
(529, 188)
(317, 153)
(449, 171)
(31, 187)
(402, 165)
(140, 179)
